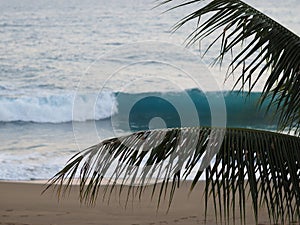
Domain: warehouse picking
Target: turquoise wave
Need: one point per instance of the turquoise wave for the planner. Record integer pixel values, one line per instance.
(142, 111)
(136, 111)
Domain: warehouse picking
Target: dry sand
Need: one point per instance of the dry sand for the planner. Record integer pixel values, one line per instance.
(22, 203)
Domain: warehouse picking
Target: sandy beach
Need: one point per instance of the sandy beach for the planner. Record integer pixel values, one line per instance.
(23, 204)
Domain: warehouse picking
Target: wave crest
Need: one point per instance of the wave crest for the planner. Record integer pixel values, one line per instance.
(57, 108)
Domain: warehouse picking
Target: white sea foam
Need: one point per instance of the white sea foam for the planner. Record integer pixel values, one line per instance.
(57, 108)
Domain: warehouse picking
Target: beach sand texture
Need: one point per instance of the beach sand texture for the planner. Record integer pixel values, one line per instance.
(22, 203)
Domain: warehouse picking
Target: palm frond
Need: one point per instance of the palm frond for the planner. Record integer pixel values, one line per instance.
(236, 162)
(260, 47)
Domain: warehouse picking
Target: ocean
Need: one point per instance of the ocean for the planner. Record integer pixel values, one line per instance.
(73, 73)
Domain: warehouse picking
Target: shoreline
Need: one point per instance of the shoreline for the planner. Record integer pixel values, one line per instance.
(22, 204)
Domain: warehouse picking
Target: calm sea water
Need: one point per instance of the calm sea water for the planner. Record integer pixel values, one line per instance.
(75, 72)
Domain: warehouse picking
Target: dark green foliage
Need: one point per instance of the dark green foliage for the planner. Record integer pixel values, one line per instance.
(263, 165)
(259, 47)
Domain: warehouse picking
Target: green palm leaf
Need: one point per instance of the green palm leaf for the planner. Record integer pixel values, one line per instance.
(258, 45)
(265, 165)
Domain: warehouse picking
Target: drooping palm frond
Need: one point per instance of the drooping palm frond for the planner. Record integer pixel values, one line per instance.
(236, 162)
(258, 45)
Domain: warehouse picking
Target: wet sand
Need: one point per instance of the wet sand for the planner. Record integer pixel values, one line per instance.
(22, 203)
